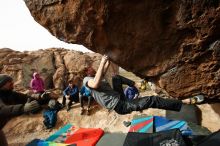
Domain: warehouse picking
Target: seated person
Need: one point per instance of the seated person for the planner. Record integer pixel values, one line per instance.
(71, 93)
(37, 86)
(12, 104)
(131, 92)
(85, 94)
(37, 83)
(38, 90)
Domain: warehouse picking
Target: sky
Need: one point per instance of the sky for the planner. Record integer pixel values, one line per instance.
(19, 31)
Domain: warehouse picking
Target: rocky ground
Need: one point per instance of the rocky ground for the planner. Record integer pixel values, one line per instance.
(23, 129)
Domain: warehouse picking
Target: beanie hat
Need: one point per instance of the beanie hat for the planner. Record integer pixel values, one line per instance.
(4, 79)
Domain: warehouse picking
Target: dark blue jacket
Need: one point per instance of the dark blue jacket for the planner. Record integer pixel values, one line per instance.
(71, 91)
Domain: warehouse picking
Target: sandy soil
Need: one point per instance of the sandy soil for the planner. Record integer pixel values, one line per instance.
(25, 128)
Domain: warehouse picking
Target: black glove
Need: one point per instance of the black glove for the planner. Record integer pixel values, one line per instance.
(32, 106)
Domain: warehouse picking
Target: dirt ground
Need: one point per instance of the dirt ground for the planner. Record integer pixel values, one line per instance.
(21, 130)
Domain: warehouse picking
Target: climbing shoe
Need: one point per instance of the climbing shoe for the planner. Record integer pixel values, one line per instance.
(197, 99)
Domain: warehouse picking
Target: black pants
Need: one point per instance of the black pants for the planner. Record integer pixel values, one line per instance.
(74, 98)
(118, 81)
(82, 98)
(41, 100)
(127, 106)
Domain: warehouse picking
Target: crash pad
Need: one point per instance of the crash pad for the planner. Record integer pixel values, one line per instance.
(164, 138)
(142, 124)
(70, 134)
(62, 134)
(163, 124)
(112, 139)
(85, 137)
(38, 142)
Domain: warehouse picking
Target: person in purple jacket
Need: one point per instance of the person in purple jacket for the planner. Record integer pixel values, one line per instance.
(71, 93)
(131, 92)
(37, 83)
(38, 90)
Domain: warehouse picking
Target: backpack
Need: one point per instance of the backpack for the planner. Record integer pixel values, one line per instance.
(50, 118)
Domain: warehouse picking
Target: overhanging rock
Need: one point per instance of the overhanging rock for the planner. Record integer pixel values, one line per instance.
(173, 42)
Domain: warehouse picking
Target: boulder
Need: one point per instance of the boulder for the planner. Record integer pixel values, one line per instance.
(175, 43)
(56, 66)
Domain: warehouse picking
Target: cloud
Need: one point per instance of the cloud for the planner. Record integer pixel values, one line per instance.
(19, 31)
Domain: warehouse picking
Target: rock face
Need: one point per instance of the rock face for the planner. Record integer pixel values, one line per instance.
(175, 43)
(55, 66)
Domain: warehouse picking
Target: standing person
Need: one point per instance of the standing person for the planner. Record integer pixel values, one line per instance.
(111, 98)
(131, 92)
(12, 104)
(85, 94)
(71, 93)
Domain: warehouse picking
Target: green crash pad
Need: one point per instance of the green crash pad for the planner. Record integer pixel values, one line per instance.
(112, 139)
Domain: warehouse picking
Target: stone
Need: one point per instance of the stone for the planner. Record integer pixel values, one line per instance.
(169, 42)
(56, 66)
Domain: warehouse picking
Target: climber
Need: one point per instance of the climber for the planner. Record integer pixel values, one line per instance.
(112, 98)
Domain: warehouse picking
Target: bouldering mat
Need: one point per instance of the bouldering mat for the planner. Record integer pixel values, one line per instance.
(112, 139)
(142, 123)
